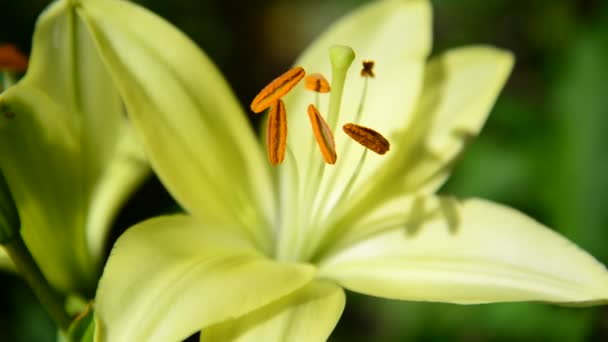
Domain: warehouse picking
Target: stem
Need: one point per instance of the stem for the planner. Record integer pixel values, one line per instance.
(51, 300)
(8, 79)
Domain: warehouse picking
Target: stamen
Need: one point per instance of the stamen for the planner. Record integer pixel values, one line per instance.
(316, 82)
(368, 69)
(367, 137)
(276, 89)
(12, 59)
(325, 138)
(277, 132)
(341, 58)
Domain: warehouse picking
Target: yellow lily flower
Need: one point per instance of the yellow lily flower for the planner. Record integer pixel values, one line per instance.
(265, 252)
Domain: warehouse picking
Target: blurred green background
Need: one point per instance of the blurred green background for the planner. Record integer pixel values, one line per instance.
(544, 149)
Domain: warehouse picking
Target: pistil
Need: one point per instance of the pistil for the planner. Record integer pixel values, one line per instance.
(341, 58)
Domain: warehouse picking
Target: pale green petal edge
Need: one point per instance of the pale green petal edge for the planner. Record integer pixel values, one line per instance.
(468, 252)
(125, 172)
(309, 314)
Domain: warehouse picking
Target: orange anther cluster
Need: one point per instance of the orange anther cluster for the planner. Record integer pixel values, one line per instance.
(367, 137)
(271, 96)
(276, 138)
(316, 82)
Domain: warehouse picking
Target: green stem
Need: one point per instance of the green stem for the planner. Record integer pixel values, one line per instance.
(8, 79)
(51, 300)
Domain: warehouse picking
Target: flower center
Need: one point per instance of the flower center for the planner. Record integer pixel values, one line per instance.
(302, 233)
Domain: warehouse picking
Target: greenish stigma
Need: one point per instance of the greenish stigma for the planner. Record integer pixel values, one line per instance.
(341, 58)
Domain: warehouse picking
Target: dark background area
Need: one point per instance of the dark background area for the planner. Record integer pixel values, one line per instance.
(544, 149)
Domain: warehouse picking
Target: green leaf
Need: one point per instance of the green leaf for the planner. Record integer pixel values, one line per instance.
(469, 252)
(309, 314)
(172, 276)
(190, 123)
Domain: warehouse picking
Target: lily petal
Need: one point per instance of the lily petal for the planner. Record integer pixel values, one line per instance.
(65, 65)
(469, 252)
(125, 171)
(188, 277)
(188, 119)
(397, 36)
(36, 151)
(460, 88)
(309, 314)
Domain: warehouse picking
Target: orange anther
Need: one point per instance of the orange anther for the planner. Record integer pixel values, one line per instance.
(276, 132)
(276, 89)
(367, 137)
(325, 138)
(368, 69)
(316, 82)
(11, 59)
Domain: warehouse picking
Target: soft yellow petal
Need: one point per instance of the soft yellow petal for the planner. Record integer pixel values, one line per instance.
(5, 261)
(39, 159)
(65, 65)
(171, 276)
(460, 88)
(467, 252)
(124, 172)
(396, 34)
(309, 314)
(391, 213)
(195, 133)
